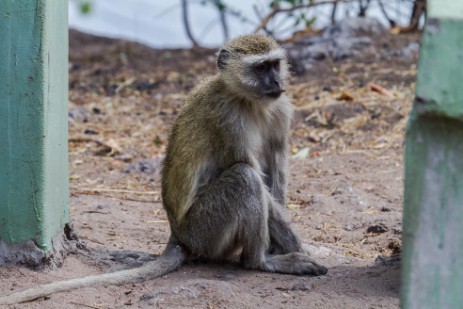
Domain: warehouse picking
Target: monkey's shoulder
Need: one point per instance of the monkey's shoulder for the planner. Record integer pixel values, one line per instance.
(211, 86)
(204, 104)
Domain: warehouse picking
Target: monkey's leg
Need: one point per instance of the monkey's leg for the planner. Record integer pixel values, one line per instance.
(230, 211)
(282, 237)
(288, 255)
(234, 209)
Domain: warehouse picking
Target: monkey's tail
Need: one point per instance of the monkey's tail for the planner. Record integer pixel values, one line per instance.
(170, 260)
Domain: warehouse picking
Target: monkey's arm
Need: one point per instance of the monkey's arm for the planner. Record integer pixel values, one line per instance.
(283, 238)
(170, 260)
(277, 172)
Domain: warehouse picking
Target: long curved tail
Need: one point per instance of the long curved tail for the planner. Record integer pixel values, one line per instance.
(170, 260)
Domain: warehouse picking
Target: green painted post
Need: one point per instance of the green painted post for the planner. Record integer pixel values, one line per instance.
(33, 129)
(432, 270)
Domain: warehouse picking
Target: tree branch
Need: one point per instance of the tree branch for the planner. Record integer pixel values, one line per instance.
(186, 23)
(419, 8)
(224, 24)
(392, 23)
(333, 12)
(278, 10)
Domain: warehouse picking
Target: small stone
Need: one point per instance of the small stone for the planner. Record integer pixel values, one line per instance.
(300, 286)
(228, 277)
(377, 229)
(145, 166)
(90, 132)
(146, 296)
(327, 88)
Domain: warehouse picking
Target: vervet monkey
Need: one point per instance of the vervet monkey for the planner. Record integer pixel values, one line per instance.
(224, 177)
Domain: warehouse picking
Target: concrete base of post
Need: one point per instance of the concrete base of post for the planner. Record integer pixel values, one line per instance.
(30, 255)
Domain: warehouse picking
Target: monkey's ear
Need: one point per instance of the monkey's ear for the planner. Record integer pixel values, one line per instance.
(222, 59)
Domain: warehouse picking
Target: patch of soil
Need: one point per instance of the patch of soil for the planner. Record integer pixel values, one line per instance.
(344, 197)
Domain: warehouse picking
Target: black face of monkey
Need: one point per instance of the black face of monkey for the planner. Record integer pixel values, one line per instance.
(267, 73)
(256, 76)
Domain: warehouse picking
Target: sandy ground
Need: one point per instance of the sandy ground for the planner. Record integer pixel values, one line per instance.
(344, 198)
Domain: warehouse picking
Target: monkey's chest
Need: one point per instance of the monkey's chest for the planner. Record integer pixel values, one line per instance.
(258, 145)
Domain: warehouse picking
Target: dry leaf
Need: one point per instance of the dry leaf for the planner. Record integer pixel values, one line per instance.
(293, 206)
(345, 97)
(115, 148)
(395, 30)
(313, 138)
(302, 154)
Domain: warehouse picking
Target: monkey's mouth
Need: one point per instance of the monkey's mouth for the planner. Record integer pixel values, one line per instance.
(274, 93)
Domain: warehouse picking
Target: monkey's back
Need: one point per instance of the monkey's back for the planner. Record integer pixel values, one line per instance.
(190, 148)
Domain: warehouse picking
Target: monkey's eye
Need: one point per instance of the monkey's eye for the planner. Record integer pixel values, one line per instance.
(260, 67)
(276, 64)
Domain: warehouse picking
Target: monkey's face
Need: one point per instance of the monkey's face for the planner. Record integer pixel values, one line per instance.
(255, 76)
(263, 76)
(268, 78)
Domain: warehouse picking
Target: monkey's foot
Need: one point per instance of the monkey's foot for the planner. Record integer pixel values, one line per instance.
(295, 263)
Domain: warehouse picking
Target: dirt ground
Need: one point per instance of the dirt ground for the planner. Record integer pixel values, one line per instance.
(345, 193)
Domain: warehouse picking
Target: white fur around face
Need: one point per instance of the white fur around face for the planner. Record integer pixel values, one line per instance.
(276, 54)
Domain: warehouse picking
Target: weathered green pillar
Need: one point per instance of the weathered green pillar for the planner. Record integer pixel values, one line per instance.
(432, 270)
(33, 129)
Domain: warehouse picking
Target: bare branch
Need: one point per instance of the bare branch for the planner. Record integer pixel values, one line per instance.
(259, 16)
(186, 23)
(333, 12)
(223, 22)
(363, 8)
(278, 10)
(419, 8)
(392, 23)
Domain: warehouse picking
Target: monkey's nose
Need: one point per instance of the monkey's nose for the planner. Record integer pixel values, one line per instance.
(277, 84)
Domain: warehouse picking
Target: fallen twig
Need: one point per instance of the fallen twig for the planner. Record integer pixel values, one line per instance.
(85, 305)
(379, 89)
(117, 197)
(117, 191)
(93, 240)
(124, 84)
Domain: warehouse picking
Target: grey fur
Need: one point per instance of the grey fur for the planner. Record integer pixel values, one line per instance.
(224, 177)
(225, 172)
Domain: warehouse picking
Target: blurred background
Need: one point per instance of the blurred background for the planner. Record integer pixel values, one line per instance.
(164, 24)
